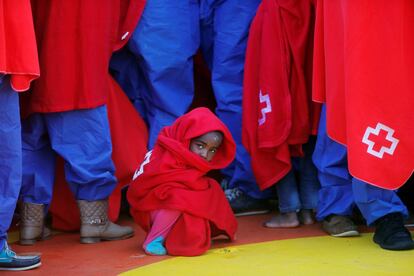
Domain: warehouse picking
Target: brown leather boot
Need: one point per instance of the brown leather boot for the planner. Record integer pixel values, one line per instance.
(96, 225)
(32, 226)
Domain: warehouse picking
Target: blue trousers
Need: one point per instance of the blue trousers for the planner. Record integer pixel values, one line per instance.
(340, 191)
(82, 139)
(166, 39)
(10, 155)
(299, 193)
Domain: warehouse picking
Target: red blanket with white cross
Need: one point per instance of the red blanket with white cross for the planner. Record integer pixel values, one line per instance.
(363, 70)
(278, 115)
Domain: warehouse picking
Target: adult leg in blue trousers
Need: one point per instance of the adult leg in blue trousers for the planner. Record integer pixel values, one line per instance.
(224, 32)
(164, 43)
(82, 139)
(336, 200)
(10, 175)
(381, 208)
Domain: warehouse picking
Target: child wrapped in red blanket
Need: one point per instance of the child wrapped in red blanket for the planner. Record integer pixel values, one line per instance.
(171, 197)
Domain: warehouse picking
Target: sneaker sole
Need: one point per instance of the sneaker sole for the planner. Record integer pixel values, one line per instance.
(251, 213)
(352, 233)
(21, 268)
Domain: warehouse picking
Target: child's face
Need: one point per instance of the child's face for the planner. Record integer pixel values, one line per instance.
(206, 145)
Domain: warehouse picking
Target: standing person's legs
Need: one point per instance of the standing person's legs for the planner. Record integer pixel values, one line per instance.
(164, 42)
(37, 181)
(10, 156)
(226, 54)
(336, 200)
(82, 138)
(309, 185)
(289, 203)
(10, 175)
(383, 209)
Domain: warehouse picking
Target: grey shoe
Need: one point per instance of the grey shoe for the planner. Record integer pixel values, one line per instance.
(32, 227)
(339, 226)
(96, 226)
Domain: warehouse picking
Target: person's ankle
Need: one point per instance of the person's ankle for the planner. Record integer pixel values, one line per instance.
(156, 247)
(306, 216)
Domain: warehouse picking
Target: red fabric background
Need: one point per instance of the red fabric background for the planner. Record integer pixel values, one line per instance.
(76, 40)
(18, 51)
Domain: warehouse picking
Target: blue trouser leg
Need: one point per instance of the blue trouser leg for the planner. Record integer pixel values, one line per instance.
(375, 202)
(294, 195)
(128, 75)
(165, 41)
(309, 185)
(10, 156)
(288, 195)
(82, 139)
(38, 161)
(330, 158)
(224, 39)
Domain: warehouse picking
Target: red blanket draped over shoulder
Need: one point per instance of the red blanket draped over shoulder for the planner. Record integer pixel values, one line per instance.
(278, 114)
(76, 39)
(18, 51)
(173, 177)
(363, 70)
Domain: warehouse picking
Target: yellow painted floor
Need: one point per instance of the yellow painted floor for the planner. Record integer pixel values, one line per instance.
(303, 256)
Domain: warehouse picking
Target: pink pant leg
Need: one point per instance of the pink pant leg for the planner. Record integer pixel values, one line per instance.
(162, 222)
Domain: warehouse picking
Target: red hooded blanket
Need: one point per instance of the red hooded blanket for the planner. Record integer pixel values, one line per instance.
(278, 114)
(363, 70)
(173, 177)
(18, 52)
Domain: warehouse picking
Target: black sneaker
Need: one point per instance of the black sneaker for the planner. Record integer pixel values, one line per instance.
(391, 234)
(244, 205)
(10, 261)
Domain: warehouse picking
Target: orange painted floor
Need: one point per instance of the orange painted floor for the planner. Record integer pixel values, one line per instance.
(64, 255)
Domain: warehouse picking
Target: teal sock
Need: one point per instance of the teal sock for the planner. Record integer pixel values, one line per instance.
(156, 247)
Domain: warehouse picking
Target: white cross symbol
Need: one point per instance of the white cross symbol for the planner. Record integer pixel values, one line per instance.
(140, 170)
(394, 141)
(268, 108)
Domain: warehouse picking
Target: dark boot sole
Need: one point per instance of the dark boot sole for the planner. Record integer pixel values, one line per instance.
(33, 241)
(91, 240)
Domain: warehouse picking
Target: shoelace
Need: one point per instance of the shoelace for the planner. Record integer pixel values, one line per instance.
(224, 184)
(232, 194)
(8, 252)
